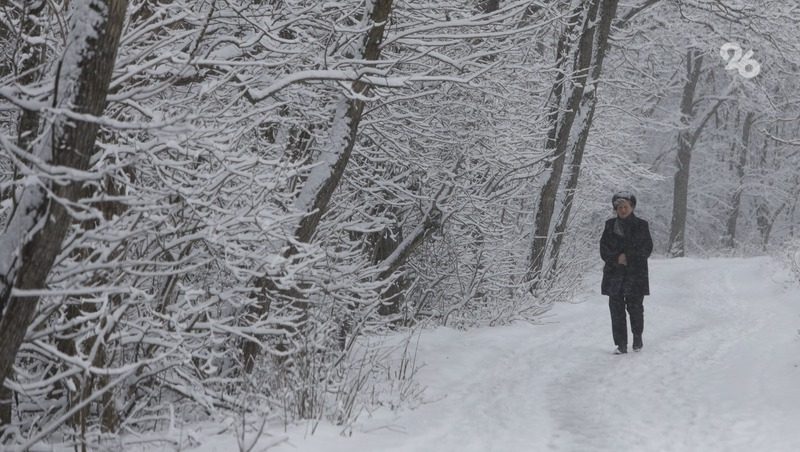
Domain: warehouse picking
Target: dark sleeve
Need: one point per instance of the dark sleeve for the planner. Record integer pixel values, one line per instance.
(642, 243)
(607, 250)
(647, 248)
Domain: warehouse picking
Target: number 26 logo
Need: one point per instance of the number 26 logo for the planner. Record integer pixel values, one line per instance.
(747, 66)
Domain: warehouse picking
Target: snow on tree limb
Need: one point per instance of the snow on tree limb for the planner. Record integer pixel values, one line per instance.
(37, 227)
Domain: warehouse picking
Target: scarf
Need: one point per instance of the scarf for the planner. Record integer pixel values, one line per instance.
(621, 226)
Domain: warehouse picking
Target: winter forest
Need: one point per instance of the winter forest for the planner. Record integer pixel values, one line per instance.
(247, 209)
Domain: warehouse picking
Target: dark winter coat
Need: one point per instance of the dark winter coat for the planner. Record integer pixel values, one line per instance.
(636, 243)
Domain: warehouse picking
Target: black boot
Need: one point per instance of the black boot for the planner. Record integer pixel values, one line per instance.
(637, 343)
(621, 349)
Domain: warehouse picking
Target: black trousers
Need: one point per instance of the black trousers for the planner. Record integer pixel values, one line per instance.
(619, 324)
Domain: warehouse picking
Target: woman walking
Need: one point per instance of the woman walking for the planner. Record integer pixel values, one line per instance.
(625, 246)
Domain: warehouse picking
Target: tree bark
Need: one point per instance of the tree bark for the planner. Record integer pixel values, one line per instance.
(562, 117)
(384, 244)
(319, 187)
(6, 41)
(605, 14)
(334, 160)
(27, 73)
(34, 235)
(694, 63)
(632, 12)
(741, 162)
(488, 6)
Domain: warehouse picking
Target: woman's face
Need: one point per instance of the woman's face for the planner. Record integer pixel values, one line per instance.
(623, 208)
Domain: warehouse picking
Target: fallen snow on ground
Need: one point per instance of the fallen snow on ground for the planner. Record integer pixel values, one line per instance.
(720, 371)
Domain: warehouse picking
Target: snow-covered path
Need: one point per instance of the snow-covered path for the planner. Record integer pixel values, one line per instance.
(720, 371)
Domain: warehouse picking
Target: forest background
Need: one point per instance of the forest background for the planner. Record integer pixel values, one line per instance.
(221, 206)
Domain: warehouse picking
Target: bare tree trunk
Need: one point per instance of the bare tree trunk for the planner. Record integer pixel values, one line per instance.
(736, 199)
(765, 220)
(28, 72)
(391, 249)
(405, 249)
(694, 64)
(632, 12)
(324, 178)
(795, 197)
(6, 402)
(562, 108)
(6, 64)
(317, 193)
(605, 15)
(590, 50)
(488, 6)
(385, 243)
(33, 237)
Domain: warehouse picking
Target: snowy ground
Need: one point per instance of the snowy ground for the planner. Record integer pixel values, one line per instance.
(720, 371)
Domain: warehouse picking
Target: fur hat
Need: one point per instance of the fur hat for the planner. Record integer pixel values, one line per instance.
(626, 195)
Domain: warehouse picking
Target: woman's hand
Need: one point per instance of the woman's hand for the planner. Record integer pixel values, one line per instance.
(622, 260)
